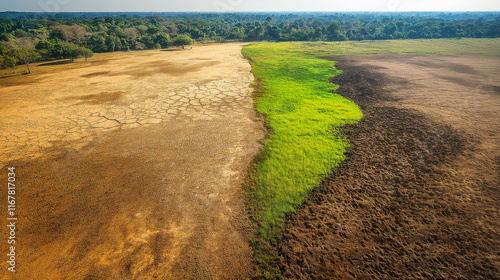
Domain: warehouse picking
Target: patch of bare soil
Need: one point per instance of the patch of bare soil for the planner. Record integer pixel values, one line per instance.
(418, 195)
(131, 167)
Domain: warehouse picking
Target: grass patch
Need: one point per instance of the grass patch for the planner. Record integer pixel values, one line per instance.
(452, 47)
(304, 144)
(303, 118)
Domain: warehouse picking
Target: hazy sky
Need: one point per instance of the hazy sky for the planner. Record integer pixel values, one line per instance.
(246, 5)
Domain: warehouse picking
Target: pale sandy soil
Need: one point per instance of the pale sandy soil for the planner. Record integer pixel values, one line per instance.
(130, 166)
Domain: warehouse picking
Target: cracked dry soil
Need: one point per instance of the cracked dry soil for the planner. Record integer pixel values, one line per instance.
(129, 166)
(418, 196)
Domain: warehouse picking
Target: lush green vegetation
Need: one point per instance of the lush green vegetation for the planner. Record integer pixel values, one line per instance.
(304, 143)
(303, 120)
(74, 35)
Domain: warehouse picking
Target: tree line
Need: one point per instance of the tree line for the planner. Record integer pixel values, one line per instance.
(25, 39)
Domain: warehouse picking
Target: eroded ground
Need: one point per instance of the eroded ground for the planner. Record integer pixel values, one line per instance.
(418, 196)
(129, 166)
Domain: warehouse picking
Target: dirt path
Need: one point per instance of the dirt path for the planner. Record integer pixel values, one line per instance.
(418, 196)
(129, 166)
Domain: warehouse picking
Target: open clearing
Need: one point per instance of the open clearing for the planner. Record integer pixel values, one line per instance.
(418, 196)
(129, 166)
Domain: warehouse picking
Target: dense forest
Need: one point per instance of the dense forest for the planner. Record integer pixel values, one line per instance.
(28, 37)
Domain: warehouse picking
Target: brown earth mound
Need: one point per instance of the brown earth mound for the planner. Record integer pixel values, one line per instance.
(411, 200)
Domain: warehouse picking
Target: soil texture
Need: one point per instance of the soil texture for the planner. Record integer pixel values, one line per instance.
(130, 166)
(418, 196)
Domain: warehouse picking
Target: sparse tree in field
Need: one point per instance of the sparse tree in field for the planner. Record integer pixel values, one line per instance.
(27, 55)
(182, 40)
(68, 50)
(23, 50)
(86, 52)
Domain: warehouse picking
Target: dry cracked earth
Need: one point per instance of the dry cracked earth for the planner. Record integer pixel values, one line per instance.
(129, 166)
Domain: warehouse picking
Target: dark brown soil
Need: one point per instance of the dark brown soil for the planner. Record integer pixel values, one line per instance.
(405, 204)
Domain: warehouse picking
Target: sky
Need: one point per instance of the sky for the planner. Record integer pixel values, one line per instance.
(246, 5)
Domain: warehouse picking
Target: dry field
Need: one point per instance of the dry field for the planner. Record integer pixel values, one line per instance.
(418, 196)
(129, 165)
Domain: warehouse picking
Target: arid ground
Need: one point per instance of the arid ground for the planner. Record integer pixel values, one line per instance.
(129, 165)
(419, 194)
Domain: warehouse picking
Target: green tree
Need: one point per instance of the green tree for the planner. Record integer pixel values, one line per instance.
(47, 49)
(335, 33)
(26, 55)
(110, 43)
(23, 50)
(85, 52)
(97, 43)
(3, 49)
(182, 40)
(274, 33)
(72, 51)
(333, 28)
(449, 31)
(256, 33)
(493, 31)
(19, 33)
(435, 31)
(163, 39)
(6, 25)
(318, 34)
(390, 29)
(67, 50)
(351, 34)
(116, 31)
(10, 61)
(237, 33)
(153, 31)
(401, 25)
(59, 32)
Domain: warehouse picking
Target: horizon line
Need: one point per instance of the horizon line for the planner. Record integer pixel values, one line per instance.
(230, 12)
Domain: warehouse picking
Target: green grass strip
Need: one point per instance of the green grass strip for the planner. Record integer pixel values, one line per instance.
(304, 144)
